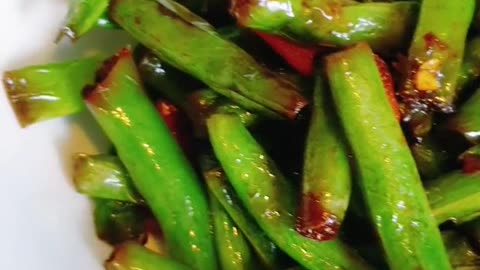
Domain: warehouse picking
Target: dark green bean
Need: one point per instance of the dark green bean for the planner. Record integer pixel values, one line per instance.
(467, 121)
(199, 51)
(430, 158)
(470, 70)
(117, 222)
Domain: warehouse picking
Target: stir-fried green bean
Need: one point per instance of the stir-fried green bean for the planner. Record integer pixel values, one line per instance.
(103, 176)
(313, 134)
(455, 197)
(385, 26)
(44, 92)
(132, 256)
(268, 196)
(233, 249)
(326, 174)
(117, 222)
(436, 55)
(467, 121)
(388, 177)
(268, 253)
(220, 64)
(158, 168)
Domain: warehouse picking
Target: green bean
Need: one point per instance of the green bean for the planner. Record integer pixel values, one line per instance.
(455, 197)
(105, 177)
(162, 79)
(470, 69)
(388, 178)
(326, 174)
(131, 256)
(435, 55)
(430, 158)
(117, 222)
(451, 197)
(103, 170)
(233, 249)
(269, 198)
(385, 26)
(178, 87)
(269, 254)
(467, 121)
(84, 15)
(221, 65)
(105, 23)
(44, 92)
(158, 168)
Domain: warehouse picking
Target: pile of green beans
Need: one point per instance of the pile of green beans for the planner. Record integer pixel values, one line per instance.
(211, 190)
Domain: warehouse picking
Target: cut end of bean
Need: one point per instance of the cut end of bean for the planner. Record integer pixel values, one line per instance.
(314, 222)
(80, 161)
(298, 108)
(92, 92)
(24, 104)
(118, 256)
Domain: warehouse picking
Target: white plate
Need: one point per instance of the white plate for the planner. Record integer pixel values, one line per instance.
(44, 224)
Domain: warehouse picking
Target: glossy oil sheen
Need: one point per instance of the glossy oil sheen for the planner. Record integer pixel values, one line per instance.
(234, 251)
(455, 197)
(220, 64)
(44, 92)
(339, 23)
(269, 197)
(158, 168)
(269, 254)
(388, 177)
(467, 120)
(440, 34)
(103, 176)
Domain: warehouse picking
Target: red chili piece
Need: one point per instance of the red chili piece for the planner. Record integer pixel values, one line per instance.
(299, 57)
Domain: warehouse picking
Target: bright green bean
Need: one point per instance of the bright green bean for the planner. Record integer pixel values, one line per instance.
(269, 197)
(389, 180)
(156, 163)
